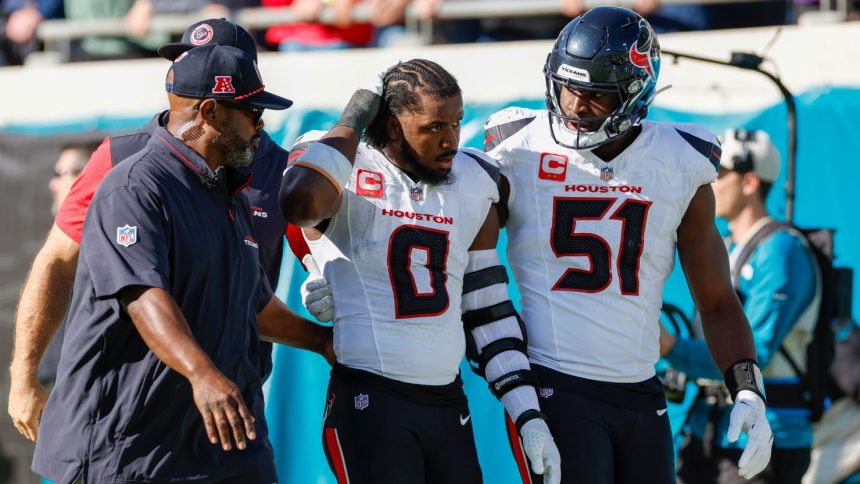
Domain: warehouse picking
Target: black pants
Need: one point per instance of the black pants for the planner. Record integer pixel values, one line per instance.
(625, 441)
(787, 466)
(382, 431)
(249, 478)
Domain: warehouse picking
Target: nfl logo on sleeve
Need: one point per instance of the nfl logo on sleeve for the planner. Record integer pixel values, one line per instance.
(126, 235)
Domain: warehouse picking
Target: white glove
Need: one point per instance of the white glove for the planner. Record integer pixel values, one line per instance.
(541, 450)
(316, 292)
(748, 416)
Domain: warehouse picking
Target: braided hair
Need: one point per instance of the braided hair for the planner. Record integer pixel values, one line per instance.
(400, 94)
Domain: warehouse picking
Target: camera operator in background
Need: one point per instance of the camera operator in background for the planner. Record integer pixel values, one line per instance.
(778, 283)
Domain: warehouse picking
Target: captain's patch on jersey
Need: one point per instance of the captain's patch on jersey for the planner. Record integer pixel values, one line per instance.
(552, 167)
(369, 184)
(126, 235)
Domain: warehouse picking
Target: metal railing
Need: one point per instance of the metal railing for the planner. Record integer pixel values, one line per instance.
(58, 34)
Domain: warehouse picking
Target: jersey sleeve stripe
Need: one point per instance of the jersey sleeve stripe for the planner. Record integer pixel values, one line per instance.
(709, 150)
(494, 135)
(493, 171)
(322, 172)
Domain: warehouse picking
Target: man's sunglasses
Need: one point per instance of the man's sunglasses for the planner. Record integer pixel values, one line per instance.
(256, 113)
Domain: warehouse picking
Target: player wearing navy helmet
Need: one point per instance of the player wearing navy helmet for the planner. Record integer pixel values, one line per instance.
(596, 200)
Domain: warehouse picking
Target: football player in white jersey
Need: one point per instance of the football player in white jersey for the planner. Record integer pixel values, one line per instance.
(404, 228)
(595, 201)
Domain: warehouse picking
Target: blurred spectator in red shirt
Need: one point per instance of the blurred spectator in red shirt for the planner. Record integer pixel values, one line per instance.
(311, 35)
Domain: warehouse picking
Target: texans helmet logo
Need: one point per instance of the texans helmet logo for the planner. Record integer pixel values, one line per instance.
(640, 52)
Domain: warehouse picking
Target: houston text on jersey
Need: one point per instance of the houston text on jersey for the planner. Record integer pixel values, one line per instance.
(419, 216)
(602, 189)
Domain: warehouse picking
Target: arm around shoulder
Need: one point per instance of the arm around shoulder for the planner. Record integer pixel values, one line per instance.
(279, 324)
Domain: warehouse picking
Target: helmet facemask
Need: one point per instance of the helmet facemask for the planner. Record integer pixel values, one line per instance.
(630, 111)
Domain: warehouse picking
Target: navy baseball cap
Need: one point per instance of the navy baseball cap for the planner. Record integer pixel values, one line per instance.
(211, 31)
(222, 72)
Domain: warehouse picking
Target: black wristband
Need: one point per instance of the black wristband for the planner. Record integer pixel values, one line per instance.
(745, 375)
(529, 414)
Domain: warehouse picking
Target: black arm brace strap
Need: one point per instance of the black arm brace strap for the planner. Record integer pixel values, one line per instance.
(490, 314)
(478, 317)
(486, 277)
(500, 346)
(514, 379)
(528, 415)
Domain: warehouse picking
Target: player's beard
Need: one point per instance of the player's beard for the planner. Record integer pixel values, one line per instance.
(411, 163)
(237, 152)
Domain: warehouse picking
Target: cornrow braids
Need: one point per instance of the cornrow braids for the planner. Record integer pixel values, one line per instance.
(400, 94)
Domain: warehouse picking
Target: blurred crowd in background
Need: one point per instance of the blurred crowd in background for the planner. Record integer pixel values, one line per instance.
(20, 19)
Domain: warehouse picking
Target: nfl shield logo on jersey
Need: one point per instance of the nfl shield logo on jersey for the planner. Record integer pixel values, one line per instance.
(361, 401)
(606, 173)
(546, 392)
(126, 235)
(417, 193)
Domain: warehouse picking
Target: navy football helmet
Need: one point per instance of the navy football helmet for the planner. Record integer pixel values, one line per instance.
(610, 50)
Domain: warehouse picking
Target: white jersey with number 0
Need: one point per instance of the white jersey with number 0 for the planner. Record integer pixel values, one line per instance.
(591, 243)
(395, 254)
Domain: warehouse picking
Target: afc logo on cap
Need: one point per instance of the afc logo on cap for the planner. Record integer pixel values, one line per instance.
(224, 85)
(369, 184)
(552, 167)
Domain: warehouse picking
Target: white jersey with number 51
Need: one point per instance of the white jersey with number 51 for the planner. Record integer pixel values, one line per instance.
(591, 243)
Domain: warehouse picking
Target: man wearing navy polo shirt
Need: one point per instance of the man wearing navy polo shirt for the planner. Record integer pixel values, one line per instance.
(46, 293)
(159, 363)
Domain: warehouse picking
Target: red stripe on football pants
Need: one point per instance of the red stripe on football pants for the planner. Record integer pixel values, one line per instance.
(334, 450)
(517, 449)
